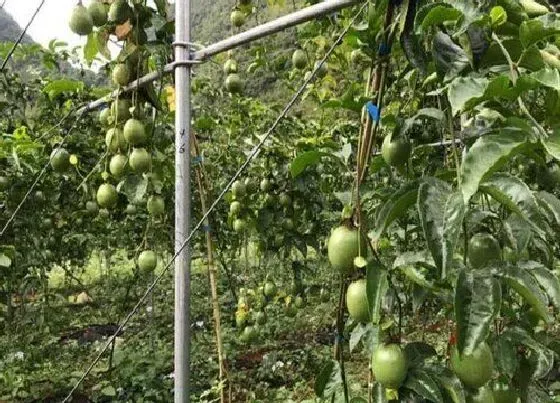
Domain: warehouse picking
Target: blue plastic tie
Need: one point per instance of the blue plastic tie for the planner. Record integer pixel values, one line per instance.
(384, 49)
(373, 111)
(206, 228)
(197, 159)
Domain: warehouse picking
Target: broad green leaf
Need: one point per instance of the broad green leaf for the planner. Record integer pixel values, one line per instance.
(486, 155)
(441, 214)
(395, 207)
(547, 77)
(505, 356)
(356, 336)
(535, 30)
(91, 48)
(57, 87)
(108, 391)
(551, 204)
(379, 394)
(450, 59)
(302, 161)
(438, 15)
(543, 357)
(329, 380)
(528, 288)
(417, 353)
(463, 89)
(376, 288)
(546, 279)
(476, 298)
(518, 231)
(422, 383)
(513, 193)
(451, 386)
(134, 187)
(552, 144)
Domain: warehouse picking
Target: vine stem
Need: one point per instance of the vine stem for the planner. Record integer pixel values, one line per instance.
(514, 76)
(338, 346)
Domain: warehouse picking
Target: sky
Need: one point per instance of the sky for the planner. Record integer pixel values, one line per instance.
(50, 23)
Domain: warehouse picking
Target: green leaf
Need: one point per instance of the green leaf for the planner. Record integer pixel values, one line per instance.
(476, 297)
(547, 280)
(57, 87)
(441, 214)
(450, 58)
(505, 356)
(91, 48)
(357, 333)
(395, 207)
(528, 288)
(513, 193)
(486, 155)
(379, 393)
(438, 15)
(498, 16)
(417, 353)
(376, 288)
(108, 391)
(463, 89)
(134, 187)
(535, 30)
(552, 144)
(451, 385)
(546, 77)
(329, 380)
(543, 357)
(421, 383)
(551, 204)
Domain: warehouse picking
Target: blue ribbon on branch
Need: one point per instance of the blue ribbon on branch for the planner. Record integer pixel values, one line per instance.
(373, 111)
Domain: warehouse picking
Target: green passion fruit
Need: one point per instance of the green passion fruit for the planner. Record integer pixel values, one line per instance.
(260, 318)
(269, 289)
(238, 189)
(234, 84)
(475, 369)
(299, 302)
(395, 152)
(239, 225)
(104, 116)
(130, 209)
(357, 302)
(285, 200)
(80, 21)
(389, 365)
(106, 196)
(60, 160)
(120, 110)
(235, 207)
(4, 182)
(299, 59)
(134, 132)
(92, 207)
(117, 165)
(115, 140)
(120, 74)
(344, 245)
(119, 11)
(155, 205)
(98, 13)
(265, 185)
(147, 260)
(483, 250)
(230, 66)
(237, 18)
(140, 160)
(504, 393)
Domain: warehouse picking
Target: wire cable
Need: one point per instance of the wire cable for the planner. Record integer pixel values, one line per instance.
(241, 169)
(21, 36)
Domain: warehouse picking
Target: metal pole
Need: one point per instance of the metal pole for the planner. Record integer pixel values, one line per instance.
(260, 31)
(182, 199)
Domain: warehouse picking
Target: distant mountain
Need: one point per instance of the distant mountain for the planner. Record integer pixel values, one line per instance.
(9, 29)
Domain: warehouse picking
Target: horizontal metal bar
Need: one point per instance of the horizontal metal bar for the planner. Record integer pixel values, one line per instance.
(260, 31)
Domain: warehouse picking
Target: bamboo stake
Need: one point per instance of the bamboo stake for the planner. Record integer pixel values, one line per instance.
(213, 274)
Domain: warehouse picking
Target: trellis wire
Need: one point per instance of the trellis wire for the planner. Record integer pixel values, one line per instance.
(18, 41)
(241, 169)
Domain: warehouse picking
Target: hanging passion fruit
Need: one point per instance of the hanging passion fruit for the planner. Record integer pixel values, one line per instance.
(140, 160)
(120, 74)
(483, 250)
(115, 141)
(230, 66)
(239, 225)
(475, 369)
(238, 189)
(155, 205)
(134, 132)
(104, 116)
(60, 160)
(234, 84)
(389, 365)
(80, 20)
(344, 245)
(237, 18)
(107, 196)
(395, 152)
(120, 110)
(119, 12)
(117, 165)
(235, 207)
(299, 59)
(357, 302)
(147, 260)
(98, 13)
